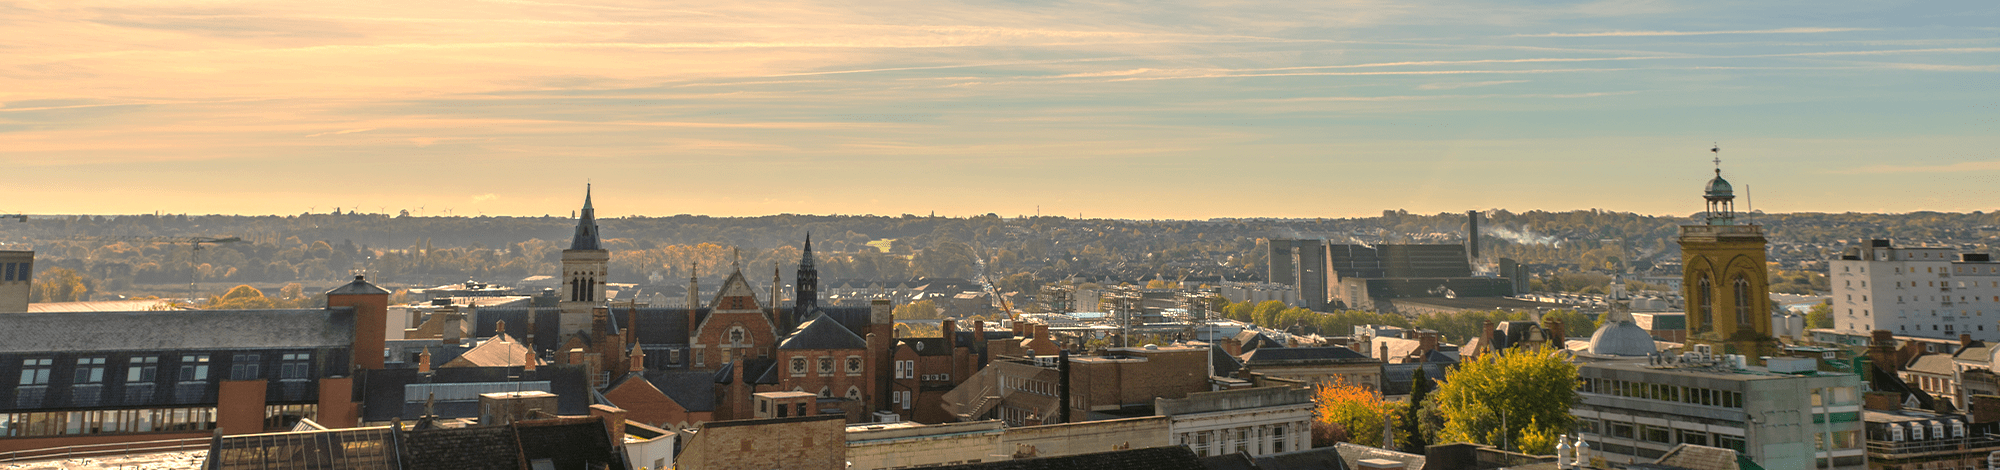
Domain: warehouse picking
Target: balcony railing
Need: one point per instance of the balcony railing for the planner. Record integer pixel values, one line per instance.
(1981, 443)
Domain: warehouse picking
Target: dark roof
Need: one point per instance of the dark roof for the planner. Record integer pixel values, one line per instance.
(756, 369)
(360, 286)
(1324, 458)
(926, 346)
(382, 390)
(470, 448)
(1152, 458)
(586, 226)
(822, 332)
(657, 326)
(693, 390)
(1252, 339)
(1338, 354)
(1224, 364)
(177, 330)
(569, 443)
(1236, 461)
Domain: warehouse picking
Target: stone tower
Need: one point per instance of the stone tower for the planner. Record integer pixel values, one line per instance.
(1724, 278)
(584, 269)
(806, 295)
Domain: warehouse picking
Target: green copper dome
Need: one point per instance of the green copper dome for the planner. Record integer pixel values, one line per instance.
(1719, 187)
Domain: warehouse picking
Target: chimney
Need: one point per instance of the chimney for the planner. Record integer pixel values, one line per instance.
(978, 334)
(1487, 332)
(1558, 332)
(529, 338)
(638, 360)
(950, 331)
(371, 319)
(1882, 401)
(452, 328)
(632, 325)
(1964, 341)
(424, 361)
(529, 364)
(600, 323)
(1409, 334)
(881, 312)
(1385, 352)
(614, 422)
(499, 327)
(1427, 342)
(1063, 405)
(575, 356)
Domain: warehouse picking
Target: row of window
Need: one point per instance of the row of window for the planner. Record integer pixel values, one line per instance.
(1664, 392)
(1658, 434)
(59, 423)
(17, 271)
(854, 364)
(1255, 440)
(193, 367)
(1037, 387)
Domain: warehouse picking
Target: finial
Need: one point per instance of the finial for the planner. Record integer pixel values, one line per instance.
(736, 259)
(1717, 150)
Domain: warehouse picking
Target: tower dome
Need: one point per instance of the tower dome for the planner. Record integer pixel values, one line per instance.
(1621, 337)
(1719, 187)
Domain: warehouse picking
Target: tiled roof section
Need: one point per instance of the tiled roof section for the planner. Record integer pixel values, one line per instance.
(1328, 354)
(1694, 457)
(569, 443)
(854, 318)
(501, 351)
(471, 448)
(1978, 351)
(822, 332)
(1224, 364)
(360, 286)
(174, 330)
(691, 389)
(1351, 454)
(1153, 458)
(1931, 364)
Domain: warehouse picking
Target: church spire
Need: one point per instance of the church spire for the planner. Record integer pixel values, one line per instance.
(586, 226)
(805, 296)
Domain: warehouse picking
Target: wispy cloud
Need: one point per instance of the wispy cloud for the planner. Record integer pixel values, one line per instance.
(1692, 33)
(1941, 169)
(349, 131)
(1453, 86)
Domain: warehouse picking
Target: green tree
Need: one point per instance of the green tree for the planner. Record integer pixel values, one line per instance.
(1574, 323)
(1498, 399)
(1411, 424)
(1821, 316)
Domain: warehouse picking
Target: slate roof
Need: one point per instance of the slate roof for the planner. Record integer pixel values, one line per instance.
(657, 326)
(1324, 458)
(471, 448)
(1251, 340)
(1694, 457)
(177, 330)
(691, 389)
(759, 370)
(1938, 364)
(360, 286)
(822, 332)
(1978, 351)
(1332, 354)
(569, 443)
(1224, 364)
(1153, 458)
(382, 390)
(1236, 461)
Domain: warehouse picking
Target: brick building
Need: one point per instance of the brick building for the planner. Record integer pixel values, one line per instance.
(110, 377)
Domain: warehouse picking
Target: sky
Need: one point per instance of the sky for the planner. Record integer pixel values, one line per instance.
(1119, 109)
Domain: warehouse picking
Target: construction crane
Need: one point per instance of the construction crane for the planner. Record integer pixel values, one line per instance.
(194, 252)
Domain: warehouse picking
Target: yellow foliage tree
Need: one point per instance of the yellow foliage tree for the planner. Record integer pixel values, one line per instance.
(59, 285)
(1352, 408)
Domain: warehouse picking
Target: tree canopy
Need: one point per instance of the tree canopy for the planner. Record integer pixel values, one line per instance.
(1508, 400)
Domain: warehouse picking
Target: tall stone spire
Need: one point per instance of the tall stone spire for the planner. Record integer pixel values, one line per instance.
(806, 294)
(586, 226)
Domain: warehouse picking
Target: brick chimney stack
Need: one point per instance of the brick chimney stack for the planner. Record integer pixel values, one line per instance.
(371, 317)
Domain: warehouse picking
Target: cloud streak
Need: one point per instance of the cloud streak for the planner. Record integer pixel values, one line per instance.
(1692, 33)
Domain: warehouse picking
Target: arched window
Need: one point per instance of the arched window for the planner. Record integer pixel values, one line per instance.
(1743, 314)
(1702, 293)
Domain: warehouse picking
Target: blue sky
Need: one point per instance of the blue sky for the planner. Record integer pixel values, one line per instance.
(1186, 109)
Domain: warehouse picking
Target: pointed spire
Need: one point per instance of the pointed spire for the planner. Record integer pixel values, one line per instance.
(586, 226)
(806, 258)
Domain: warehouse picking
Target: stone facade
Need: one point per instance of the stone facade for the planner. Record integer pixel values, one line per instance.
(797, 443)
(17, 274)
(1058, 440)
(1256, 421)
(905, 445)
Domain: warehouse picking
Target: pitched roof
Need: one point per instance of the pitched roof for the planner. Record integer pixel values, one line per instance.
(822, 333)
(1329, 354)
(479, 447)
(499, 351)
(1224, 365)
(1939, 364)
(1694, 457)
(1152, 458)
(569, 443)
(691, 389)
(182, 329)
(1353, 454)
(360, 286)
(586, 226)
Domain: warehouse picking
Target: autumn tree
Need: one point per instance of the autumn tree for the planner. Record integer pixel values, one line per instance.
(1499, 400)
(1821, 316)
(59, 285)
(1353, 410)
(919, 310)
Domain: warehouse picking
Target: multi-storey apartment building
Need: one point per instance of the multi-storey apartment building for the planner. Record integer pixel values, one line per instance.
(1915, 291)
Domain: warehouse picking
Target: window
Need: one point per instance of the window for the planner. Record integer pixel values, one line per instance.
(1622, 430)
(853, 365)
(1278, 438)
(89, 370)
(825, 366)
(798, 366)
(35, 371)
(143, 369)
(906, 399)
(194, 367)
(1694, 437)
(1742, 301)
(1702, 293)
(1657, 434)
(295, 366)
(244, 367)
(1729, 442)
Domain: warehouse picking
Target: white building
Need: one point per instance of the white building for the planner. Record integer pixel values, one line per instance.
(1923, 292)
(1255, 421)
